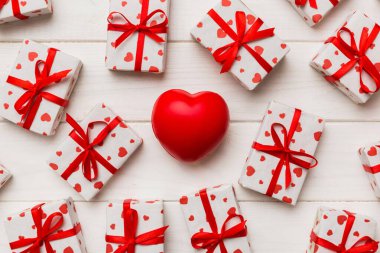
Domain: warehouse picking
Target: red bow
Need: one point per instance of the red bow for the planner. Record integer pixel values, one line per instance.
(130, 240)
(357, 55)
(27, 105)
(313, 3)
(364, 245)
(47, 232)
(144, 29)
(15, 8)
(227, 54)
(283, 151)
(211, 240)
(89, 157)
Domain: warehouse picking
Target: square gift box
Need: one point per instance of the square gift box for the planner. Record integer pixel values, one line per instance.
(313, 11)
(46, 228)
(258, 53)
(14, 10)
(283, 153)
(342, 231)
(213, 213)
(94, 150)
(370, 159)
(137, 35)
(38, 87)
(5, 175)
(138, 221)
(349, 58)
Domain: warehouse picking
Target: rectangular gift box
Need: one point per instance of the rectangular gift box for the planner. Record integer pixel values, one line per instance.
(313, 11)
(222, 205)
(24, 227)
(15, 10)
(116, 148)
(17, 91)
(339, 62)
(331, 224)
(265, 169)
(5, 175)
(249, 67)
(149, 216)
(139, 51)
(370, 159)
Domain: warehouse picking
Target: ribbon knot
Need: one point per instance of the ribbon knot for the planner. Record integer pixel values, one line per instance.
(89, 157)
(226, 55)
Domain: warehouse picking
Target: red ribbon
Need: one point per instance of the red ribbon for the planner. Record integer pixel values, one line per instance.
(47, 232)
(357, 55)
(143, 28)
(372, 169)
(313, 3)
(89, 157)
(27, 105)
(364, 245)
(211, 240)
(283, 151)
(227, 54)
(130, 239)
(15, 8)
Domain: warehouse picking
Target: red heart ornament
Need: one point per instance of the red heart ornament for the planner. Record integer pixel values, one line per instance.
(189, 126)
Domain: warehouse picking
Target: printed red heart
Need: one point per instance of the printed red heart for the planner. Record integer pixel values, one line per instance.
(122, 152)
(45, 117)
(317, 136)
(109, 248)
(238, 251)
(128, 57)
(259, 50)
(226, 3)
(78, 187)
(341, 219)
(372, 151)
(356, 233)
(231, 211)
(153, 69)
(59, 153)
(183, 200)
(282, 115)
(287, 200)
(18, 66)
(326, 64)
(124, 3)
(256, 78)
(277, 189)
(23, 3)
(53, 166)
(251, 19)
(221, 34)
(189, 126)
(6, 106)
(200, 25)
(191, 217)
(98, 185)
(317, 18)
(275, 60)
(63, 209)
(146, 217)
(32, 56)
(329, 232)
(68, 250)
(250, 171)
(298, 172)
(160, 52)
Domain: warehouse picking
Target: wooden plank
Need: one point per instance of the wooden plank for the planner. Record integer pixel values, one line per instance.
(85, 20)
(282, 229)
(190, 67)
(153, 173)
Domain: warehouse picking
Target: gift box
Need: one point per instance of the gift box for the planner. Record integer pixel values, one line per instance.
(214, 221)
(94, 150)
(370, 159)
(38, 87)
(283, 153)
(137, 35)
(5, 175)
(313, 11)
(14, 10)
(342, 231)
(240, 41)
(46, 228)
(349, 59)
(135, 226)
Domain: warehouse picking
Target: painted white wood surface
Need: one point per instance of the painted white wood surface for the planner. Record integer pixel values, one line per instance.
(78, 27)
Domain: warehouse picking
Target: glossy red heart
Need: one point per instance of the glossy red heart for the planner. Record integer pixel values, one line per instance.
(189, 126)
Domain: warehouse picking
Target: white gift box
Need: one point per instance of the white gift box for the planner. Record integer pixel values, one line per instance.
(370, 159)
(15, 10)
(5, 175)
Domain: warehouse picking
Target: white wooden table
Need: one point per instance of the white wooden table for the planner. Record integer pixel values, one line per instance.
(78, 27)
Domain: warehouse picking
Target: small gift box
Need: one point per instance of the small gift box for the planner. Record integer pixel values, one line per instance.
(342, 231)
(94, 150)
(349, 59)
(5, 175)
(135, 226)
(370, 158)
(240, 42)
(14, 10)
(282, 154)
(313, 11)
(214, 221)
(137, 35)
(38, 87)
(46, 228)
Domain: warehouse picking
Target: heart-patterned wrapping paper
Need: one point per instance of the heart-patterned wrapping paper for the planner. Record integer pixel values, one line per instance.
(370, 159)
(5, 175)
(258, 169)
(314, 11)
(117, 148)
(223, 203)
(24, 9)
(21, 225)
(330, 224)
(245, 68)
(150, 217)
(330, 59)
(49, 114)
(124, 56)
